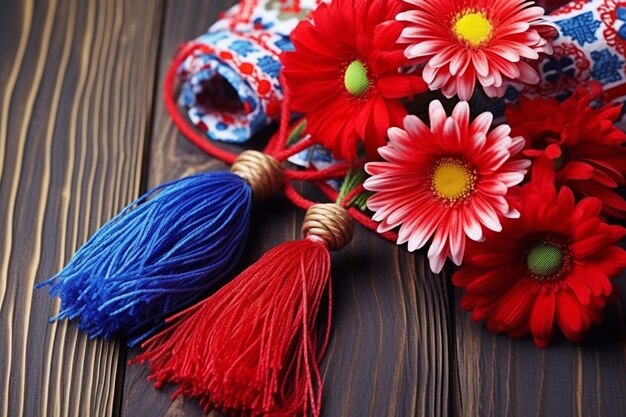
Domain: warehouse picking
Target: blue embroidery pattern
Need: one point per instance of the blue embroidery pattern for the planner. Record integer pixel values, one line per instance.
(606, 66)
(581, 28)
(284, 44)
(621, 16)
(243, 48)
(259, 23)
(269, 65)
(555, 68)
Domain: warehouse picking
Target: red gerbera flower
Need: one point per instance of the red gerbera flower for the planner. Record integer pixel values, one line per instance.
(446, 181)
(583, 143)
(464, 41)
(344, 74)
(551, 267)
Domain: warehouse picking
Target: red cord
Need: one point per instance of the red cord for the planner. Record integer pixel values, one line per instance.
(188, 130)
(347, 199)
(298, 147)
(279, 141)
(296, 198)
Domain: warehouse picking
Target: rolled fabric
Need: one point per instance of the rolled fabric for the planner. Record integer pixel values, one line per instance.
(231, 89)
(590, 46)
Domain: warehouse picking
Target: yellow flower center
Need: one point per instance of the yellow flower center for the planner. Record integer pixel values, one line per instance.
(452, 179)
(473, 27)
(355, 78)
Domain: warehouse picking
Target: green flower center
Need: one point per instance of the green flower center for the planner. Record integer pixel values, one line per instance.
(545, 260)
(355, 78)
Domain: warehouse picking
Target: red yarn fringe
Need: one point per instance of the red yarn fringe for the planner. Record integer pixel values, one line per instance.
(255, 345)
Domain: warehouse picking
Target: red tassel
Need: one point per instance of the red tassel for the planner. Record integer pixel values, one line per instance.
(255, 346)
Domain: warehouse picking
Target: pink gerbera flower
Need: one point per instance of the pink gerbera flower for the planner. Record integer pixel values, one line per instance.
(445, 182)
(462, 41)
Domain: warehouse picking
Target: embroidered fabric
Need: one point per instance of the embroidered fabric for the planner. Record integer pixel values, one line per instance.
(590, 46)
(231, 89)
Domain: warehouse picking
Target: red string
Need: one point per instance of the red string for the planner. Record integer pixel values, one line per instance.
(347, 199)
(279, 141)
(188, 130)
(298, 147)
(245, 375)
(335, 171)
(296, 198)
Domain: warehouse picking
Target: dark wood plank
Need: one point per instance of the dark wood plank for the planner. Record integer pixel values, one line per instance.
(389, 354)
(501, 377)
(77, 83)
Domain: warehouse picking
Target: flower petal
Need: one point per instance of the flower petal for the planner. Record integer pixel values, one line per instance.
(399, 86)
(542, 318)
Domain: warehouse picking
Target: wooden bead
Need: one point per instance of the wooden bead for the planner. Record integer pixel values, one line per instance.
(329, 222)
(261, 171)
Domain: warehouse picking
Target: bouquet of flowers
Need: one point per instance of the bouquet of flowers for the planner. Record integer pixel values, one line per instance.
(523, 201)
(485, 133)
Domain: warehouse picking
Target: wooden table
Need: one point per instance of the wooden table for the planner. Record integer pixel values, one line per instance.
(83, 131)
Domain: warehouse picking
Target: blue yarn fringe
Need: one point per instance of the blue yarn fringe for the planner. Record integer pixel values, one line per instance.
(158, 255)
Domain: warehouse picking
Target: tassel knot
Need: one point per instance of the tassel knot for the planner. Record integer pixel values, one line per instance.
(330, 223)
(261, 171)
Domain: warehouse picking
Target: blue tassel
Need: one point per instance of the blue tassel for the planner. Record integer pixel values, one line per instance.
(160, 254)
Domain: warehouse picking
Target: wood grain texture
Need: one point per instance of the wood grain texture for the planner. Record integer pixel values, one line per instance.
(74, 103)
(389, 354)
(502, 377)
(81, 135)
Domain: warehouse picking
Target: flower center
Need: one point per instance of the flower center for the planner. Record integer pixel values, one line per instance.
(473, 27)
(355, 78)
(544, 259)
(548, 258)
(452, 179)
